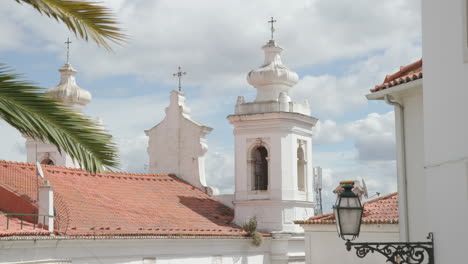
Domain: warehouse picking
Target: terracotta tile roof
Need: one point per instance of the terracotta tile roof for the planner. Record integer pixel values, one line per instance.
(382, 210)
(406, 74)
(123, 204)
(15, 228)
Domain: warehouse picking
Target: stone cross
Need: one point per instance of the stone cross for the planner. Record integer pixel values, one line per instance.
(272, 28)
(179, 75)
(68, 49)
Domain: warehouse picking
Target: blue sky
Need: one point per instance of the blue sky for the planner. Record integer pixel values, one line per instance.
(339, 48)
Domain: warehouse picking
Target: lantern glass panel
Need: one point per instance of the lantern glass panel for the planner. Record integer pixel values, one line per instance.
(348, 213)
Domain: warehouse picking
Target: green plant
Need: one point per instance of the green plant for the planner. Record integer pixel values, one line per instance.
(251, 228)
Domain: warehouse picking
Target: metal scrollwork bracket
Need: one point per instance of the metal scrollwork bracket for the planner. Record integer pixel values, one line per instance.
(398, 252)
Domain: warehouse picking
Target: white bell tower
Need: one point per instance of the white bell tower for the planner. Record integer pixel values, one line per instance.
(69, 93)
(273, 150)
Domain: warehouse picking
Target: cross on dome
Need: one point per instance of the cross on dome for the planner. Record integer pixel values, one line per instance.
(68, 42)
(272, 27)
(179, 75)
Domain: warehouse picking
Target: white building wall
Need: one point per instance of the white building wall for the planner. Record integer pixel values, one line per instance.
(410, 96)
(323, 246)
(446, 144)
(165, 251)
(412, 101)
(444, 28)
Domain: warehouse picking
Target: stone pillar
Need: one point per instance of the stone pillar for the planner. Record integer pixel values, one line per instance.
(46, 206)
(279, 248)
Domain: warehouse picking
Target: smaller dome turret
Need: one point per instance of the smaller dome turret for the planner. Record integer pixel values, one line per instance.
(68, 91)
(272, 77)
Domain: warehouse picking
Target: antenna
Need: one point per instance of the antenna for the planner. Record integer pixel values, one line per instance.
(317, 171)
(364, 189)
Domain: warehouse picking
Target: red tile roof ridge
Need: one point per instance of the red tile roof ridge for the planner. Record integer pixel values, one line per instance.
(408, 73)
(330, 217)
(383, 197)
(78, 170)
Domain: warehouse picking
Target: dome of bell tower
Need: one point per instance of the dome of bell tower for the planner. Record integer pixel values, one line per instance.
(272, 77)
(67, 91)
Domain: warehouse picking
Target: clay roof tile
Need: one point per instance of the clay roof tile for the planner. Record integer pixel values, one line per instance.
(120, 203)
(406, 74)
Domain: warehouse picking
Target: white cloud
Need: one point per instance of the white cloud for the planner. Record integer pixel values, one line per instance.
(218, 42)
(327, 132)
(12, 143)
(220, 170)
(374, 135)
(333, 95)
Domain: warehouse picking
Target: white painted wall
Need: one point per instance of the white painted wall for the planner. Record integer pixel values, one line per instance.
(166, 251)
(410, 96)
(412, 101)
(323, 246)
(444, 27)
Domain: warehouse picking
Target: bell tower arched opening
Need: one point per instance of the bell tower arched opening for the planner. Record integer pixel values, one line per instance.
(47, 161)
(260, 169)
(301, 169)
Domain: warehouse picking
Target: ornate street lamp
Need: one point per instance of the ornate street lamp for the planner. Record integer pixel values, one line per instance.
(348, 212)
(348, 215)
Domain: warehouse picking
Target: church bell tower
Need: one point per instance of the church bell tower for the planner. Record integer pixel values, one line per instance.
(273, 149)
(69, 93)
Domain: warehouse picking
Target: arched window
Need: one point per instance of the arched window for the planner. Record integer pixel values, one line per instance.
(47, 162)
(301, 163)
(260, 168)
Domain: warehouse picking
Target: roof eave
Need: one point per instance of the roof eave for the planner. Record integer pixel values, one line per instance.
(379, 95)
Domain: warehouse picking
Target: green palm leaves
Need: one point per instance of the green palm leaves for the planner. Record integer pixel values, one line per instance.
(85, 19)
(36, 115)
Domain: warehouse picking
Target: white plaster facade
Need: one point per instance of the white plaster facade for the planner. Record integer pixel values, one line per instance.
(135, 251)
(323, 246)
(284, 128)
(409, 127)
(177, 144)
(445, 44)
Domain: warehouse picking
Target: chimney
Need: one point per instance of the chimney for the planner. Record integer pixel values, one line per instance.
(46, 206)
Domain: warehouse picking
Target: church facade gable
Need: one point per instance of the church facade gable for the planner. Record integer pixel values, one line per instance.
(177, 144)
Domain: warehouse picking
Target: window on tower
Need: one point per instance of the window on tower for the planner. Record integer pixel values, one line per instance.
(47, 162)
(260, 168)
(301, 168)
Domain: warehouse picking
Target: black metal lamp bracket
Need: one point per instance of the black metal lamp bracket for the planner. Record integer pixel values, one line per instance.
(398, 252)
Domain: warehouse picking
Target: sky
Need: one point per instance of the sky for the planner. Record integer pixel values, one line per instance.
(339, 48)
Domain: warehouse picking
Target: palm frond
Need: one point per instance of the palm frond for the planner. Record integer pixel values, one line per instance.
(85, 19)
(34, 114)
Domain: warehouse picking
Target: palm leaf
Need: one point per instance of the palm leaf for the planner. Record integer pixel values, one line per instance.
(34, 114)
(85, 19)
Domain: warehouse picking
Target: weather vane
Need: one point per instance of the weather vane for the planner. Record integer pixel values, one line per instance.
(68, 49)
(179, 75)
(272, 27)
